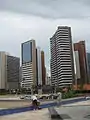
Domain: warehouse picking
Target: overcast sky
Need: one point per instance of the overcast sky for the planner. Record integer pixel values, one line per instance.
(21, 20)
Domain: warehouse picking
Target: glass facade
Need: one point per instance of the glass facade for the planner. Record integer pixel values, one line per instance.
(27, 52)
(88, 60)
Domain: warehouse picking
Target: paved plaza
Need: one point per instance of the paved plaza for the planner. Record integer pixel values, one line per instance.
(20, 103)
(84, 103)
(75, 111)
(32, 115)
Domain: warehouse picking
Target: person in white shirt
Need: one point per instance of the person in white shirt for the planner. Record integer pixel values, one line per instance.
(59, 98)
(34, 102)
(34, 97)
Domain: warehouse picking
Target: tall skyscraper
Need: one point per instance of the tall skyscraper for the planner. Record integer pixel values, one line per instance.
(80, 49)
(88, 66)
(3, 71)
(9, 71)
(39, 66)
(43, 68)
(13, 66)
(48, 80)
(62, 65)
(29, 64)
(77, 68)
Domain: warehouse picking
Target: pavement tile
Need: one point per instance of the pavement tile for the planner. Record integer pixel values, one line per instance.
(43, 114)
(32, 115)
(74, 112)
(79, 103)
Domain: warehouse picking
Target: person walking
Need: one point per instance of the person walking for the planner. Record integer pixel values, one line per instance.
(34, 102)
(59, 98)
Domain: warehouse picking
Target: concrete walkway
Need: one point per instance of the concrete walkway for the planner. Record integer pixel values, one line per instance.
(32, 115)
(78, 112)
(83, 103)
(29, 108)
(43, 114)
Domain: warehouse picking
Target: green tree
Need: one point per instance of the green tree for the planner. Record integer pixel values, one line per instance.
(81, 87)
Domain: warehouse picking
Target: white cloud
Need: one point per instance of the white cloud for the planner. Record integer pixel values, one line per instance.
(76, 9)
(21, 20)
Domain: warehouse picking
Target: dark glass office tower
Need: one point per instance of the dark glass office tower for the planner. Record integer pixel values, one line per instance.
(13, 65)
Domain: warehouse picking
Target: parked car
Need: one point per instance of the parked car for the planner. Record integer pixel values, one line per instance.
(87, 97)
(26, 97)
(22, 97)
